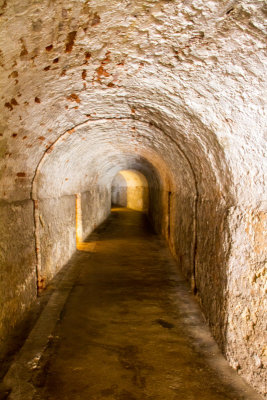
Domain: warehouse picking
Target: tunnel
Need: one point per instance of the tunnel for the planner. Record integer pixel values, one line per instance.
(130, 189)
(97, 96)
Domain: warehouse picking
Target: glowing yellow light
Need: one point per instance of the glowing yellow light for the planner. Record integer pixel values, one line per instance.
(134, 178)
(80, 245)
(79, 226)
(88, 247)
(131, 190)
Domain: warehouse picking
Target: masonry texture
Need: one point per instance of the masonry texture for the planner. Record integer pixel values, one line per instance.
(173, 89)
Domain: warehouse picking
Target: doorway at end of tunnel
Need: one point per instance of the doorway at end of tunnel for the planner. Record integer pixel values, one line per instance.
(130, 189)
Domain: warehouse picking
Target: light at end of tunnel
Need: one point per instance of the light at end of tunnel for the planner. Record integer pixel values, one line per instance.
(130, 189)
(79, 227)
(134, 178)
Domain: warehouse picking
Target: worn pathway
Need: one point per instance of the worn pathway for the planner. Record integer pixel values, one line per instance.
(130, 329)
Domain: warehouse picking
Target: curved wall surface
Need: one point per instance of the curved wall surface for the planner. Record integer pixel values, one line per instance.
(172, 89)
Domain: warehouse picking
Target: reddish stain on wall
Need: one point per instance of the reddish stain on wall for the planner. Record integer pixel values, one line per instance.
(24, 50)
(70, 41)
(84, 73)
(74, 97)
(14, 74)
(9, 106)
(49, 48)
(106, 59)
(14, 102)
(101, 72)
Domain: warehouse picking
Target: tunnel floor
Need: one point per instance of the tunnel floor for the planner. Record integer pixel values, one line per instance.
(129, 328)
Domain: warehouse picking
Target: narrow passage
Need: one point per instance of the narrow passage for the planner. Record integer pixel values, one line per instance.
(129, 329)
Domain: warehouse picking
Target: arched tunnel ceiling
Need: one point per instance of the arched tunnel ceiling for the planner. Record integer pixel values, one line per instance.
(174, 89)
(95, 151)
(187, 75)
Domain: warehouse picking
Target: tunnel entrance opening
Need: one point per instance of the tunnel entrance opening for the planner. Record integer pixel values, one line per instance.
(130, 189)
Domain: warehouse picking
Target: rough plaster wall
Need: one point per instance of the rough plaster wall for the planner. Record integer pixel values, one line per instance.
(95, 208)
(119, 191)
(158, 210)
(119, 196)
(181, 230)
(57, 228)
(246, 304)
(18, 286)
(57, 235)
(89, 88)
(212, 251)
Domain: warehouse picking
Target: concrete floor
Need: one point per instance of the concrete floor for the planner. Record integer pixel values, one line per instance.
(130, 328)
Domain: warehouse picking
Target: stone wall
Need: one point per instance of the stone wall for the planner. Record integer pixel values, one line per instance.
(246, 304)
(18, 284)
(96, 205)
(227, 269)
(119, 196)
(57, 235)
(57, 227)
(181, 231)
(226, 265)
